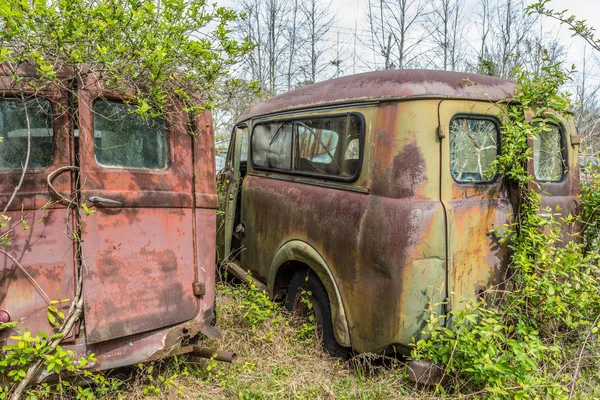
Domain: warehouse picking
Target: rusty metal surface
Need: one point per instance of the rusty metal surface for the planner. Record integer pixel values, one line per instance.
(387, 85)
(476, 260)
(404, 235)
(384, 248)
(141, 258)
(45, 250)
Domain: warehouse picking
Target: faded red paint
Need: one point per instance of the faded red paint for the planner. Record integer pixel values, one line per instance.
(387, 86)
(141, 259)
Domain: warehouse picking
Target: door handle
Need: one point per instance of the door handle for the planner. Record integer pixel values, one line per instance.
(98, 199)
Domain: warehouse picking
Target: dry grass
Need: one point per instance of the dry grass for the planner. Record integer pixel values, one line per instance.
(274, 363)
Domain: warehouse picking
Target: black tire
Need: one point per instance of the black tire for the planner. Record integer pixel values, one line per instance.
(308, 281)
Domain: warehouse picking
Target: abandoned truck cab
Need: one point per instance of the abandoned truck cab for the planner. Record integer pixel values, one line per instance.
(113, 206)
(376, 188)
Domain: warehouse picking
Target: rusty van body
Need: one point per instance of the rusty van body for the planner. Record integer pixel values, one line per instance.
(127, 205)
(376, 185)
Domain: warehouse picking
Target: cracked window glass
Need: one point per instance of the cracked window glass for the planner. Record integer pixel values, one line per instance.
(473, 149)
(548, 162)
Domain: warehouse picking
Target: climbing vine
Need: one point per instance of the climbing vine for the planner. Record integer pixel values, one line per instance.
(529, 337)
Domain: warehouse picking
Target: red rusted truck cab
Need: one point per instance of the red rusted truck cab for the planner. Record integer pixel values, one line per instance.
(125, 204)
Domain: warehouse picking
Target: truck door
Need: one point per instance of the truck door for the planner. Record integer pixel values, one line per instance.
(229, 180)
(136, 177)
(474, 201)
(38, 265)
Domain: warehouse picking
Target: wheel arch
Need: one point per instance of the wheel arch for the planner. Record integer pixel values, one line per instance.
(289, 258)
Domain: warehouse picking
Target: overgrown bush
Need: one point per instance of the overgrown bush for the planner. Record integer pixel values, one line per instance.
(529, 338)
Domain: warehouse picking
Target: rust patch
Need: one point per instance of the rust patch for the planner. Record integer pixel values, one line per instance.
(403, 177)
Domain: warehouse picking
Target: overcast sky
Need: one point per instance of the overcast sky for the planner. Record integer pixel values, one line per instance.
(353, 13)
(349, 11)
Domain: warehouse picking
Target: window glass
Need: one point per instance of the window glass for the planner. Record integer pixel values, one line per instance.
(473, 148)
(272, 146)
(124, 139)
(352, 151)
(14, 133)
(317, 145)
(327, 146)
(244, 151)
(548, 155)
(323, 144)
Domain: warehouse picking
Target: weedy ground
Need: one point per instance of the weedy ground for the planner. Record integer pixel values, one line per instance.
(279, 358)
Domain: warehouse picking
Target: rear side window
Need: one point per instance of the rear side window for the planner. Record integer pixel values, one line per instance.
(14, 131)
(473, 148)
(124, 139)
(324, 146)
(548, 156)
(272, 146)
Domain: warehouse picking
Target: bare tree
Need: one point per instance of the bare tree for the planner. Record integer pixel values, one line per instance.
(396, 35)
(538, 46)
(511, 27)
(294, 43)
(485, 13)
(318, 20)
(587, 108)
(444, 22)
(265, 25)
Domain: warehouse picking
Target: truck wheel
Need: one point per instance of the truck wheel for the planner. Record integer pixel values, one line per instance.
(306, 286)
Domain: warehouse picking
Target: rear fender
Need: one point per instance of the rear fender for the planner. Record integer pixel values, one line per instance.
(300, 251)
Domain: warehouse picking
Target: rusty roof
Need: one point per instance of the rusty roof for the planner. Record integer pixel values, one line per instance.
(387, 85)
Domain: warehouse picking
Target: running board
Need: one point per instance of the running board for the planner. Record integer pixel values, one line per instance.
(237, 271)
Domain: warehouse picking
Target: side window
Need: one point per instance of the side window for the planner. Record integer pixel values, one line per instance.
(124, 139)
(272, 146)
(327, 146)
(473, 148)
(244, 150)
(548, 161)
(14, 133)
(316, 145)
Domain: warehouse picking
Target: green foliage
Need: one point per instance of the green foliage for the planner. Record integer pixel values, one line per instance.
(525, 340)
(307, 332)
(579, 27)
(258, 308)
(23, 349)
(177, 50)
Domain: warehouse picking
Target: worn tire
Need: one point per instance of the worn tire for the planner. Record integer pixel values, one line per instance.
(320, 303)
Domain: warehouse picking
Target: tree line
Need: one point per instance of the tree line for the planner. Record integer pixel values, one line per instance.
(297, 43)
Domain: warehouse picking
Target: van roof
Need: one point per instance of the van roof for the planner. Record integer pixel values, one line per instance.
(387, 85)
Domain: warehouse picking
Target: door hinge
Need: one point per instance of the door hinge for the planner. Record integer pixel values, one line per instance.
(575, 140)
(441, 131)
(199, 289)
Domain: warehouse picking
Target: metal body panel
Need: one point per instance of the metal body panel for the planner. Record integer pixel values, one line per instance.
(138, 256)
(384, 248)
(476, 260)
(46, 253)
(563, 194)
(45, 250)
(142, 259)
(139, 271)
(387, 85)
(403, 237)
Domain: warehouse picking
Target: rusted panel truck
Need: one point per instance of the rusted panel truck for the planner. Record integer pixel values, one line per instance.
(376, 188)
